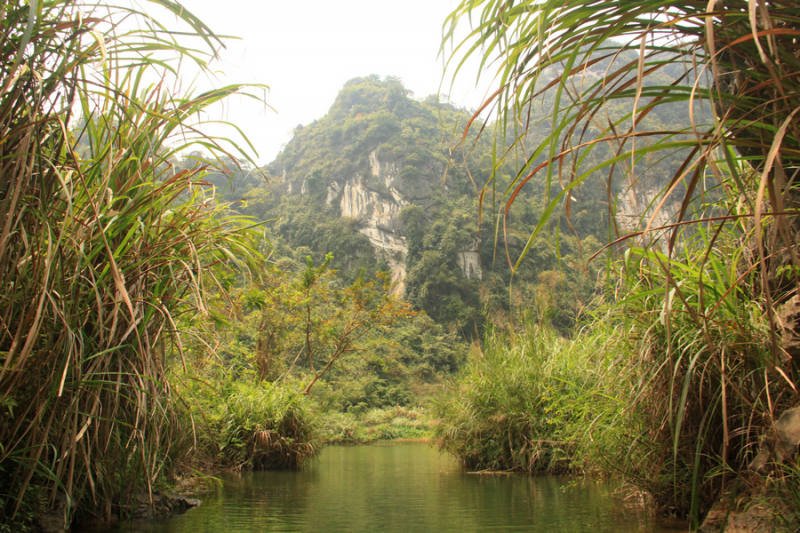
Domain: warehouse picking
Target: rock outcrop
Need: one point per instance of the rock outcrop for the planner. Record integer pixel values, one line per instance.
(643, 197)
(162, 506)
(757, 518)
(375, 199)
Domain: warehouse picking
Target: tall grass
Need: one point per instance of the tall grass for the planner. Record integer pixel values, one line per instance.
(102, 245)
(701, 392)
(522, 402)
(266, 426)
(709, 297)
(672, 392)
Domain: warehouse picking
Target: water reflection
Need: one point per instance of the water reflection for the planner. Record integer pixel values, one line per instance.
(402, 487)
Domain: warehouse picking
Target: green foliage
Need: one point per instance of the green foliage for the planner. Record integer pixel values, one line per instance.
(782, 497)
(436, 283)
(263, 426)
(669, 388)
(519, 403)
(375, 121)
(105, 247)
(705, 293)
(307, 181)
(304, 323)
(305, 227)
(701, 391)
(425, 347)
(375, 424)
(310, 317)
(402, 367)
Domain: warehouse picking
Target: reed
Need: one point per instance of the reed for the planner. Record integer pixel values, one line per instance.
(699, 388)
(706, 293)
(520, 403)
(265, 426)
(103, 245)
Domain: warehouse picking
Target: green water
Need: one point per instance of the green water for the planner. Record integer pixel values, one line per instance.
(405, 487)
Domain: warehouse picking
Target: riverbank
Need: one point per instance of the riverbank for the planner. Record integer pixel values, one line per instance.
(375, 425)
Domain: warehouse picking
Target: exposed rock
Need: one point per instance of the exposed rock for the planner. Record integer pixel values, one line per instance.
(53, 523)
(788, 429)
(55, 520)
(788, 317)
(759, 464)
(163, 505)
(186, 503)
(378, 214)
(754, 519)
(470, 262)
(637, 202)
(377, 198)
(333, 192)
(782, 446)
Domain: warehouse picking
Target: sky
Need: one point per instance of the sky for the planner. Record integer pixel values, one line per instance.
(305, 50)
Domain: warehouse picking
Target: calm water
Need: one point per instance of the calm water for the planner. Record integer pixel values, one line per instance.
(402, 487)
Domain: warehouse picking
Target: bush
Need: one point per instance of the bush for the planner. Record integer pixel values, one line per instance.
(518, 403)
(262, 426)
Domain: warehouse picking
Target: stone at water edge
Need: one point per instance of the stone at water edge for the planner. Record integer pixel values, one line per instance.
(164, 505)
(55, 520)
(755, 519)
(783, 446)
(788, 428)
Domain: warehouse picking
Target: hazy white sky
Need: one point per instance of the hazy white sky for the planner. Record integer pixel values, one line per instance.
(305, 50)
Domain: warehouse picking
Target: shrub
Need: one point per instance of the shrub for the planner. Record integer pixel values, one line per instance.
(265, 426)
(375, 424)
(518, 403)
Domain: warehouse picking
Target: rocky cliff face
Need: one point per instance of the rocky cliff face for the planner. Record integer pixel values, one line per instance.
(379, 151)
(375, 198)
(640, 204)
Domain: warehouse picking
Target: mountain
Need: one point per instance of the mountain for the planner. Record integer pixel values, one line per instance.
(384, 182)
(376, 152)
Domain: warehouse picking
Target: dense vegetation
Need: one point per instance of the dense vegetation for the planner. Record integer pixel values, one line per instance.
(107, 253)
(632, 309)
(704, 297)
(442, 176)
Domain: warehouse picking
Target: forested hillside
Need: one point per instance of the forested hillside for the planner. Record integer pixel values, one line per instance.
(385, 181)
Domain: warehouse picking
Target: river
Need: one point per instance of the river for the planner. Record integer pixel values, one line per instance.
(403, 487)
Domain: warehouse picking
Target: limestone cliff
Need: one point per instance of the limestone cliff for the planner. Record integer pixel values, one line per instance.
(376, 201)
(376, 152)
(375, 198)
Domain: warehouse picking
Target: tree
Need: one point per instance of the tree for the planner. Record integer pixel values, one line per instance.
(306, 320)
(436, 283)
